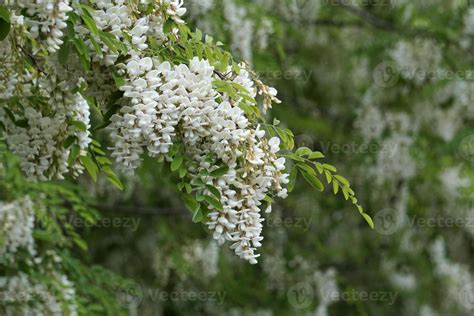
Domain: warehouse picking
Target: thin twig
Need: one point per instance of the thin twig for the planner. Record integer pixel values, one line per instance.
(387, 26)
(138, 210)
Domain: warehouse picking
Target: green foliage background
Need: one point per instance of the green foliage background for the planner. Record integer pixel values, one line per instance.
(323, 58)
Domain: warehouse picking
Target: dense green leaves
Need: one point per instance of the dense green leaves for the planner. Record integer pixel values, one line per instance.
(4, 22)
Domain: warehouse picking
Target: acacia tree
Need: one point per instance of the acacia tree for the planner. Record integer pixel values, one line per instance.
(83, 81)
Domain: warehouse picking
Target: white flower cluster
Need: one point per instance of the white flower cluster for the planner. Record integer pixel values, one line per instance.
(454, 181)
(204, 256)
(402, 280)
(328, 291)
(162, 104)
(44, 19)
(263, 33)
(393, 159)
(446, 121)
(38, 141)
(16, 227)
(417, 60)
(370, 122)
(115, 18)
(469, 22)
(457, 277)
(198, 8)
(241, 27)
(169, 102)
(426, 310)
(12, 82)
(23, 296)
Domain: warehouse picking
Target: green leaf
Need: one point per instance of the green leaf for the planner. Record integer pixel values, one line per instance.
(80, 242)
(90, 166)
(346, 194)
(176, 163)
(4, 23)
(63, 53)
(4, 14)
(328, 176)
(342, 180)
(119, 81)
(369, 220)
(313, 181)
(190, 202)
(212, 201)
(69, 141)
(188, 188)
(214, 191)
(292, 179)
(316, 155)
(329, 167)
(22, 123)
(303, 151)
(198, 216)
(168, 26)
(90, 23)
(335, 186)
(115, 182)
(80, 125)
(294, 157)
(268, 199)
(219, 172)
(98, 151)
(75, 150)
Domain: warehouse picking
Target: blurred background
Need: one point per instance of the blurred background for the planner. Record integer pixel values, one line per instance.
(384, 89)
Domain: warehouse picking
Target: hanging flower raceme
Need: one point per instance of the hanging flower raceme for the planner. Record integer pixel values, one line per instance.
(168, 104)
(160, 90)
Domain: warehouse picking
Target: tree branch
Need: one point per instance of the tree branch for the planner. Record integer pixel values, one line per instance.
(138, 210)
(387, 26)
